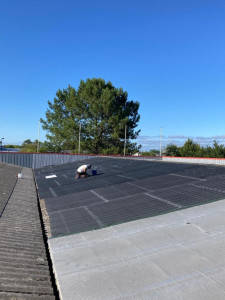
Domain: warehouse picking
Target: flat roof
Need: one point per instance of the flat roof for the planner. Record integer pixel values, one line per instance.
(123, 190)
(160, 229)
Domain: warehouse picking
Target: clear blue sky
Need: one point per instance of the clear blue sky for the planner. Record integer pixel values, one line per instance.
(168, 55)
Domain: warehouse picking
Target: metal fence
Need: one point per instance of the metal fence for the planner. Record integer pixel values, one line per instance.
(39, 160)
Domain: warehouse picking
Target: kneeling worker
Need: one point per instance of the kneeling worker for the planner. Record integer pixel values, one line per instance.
(82, 171)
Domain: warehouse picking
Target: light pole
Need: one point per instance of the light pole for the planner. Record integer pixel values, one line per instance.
(125, 140)
(1, 143)
(161, 141)
(38, 143)
(79, 139)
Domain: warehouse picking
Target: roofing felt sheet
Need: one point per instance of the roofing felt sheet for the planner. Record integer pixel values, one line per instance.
(124, 190)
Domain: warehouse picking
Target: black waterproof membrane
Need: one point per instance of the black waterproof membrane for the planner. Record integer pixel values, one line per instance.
(123, 190)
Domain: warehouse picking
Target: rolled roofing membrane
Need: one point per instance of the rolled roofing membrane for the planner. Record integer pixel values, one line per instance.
(160, 230)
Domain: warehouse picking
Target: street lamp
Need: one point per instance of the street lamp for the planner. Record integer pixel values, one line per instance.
(1, 143)
(125, 140)
(161, 136)
(38, 143)
(79, 139)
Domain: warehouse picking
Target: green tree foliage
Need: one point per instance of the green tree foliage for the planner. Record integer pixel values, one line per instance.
(217, 151)
(12, 146)
(101, 109)
(62, 120)
(172, 150)
(46, 147)
(192, 149)
(32, 147)
(26, 143)
(29, 146)
(152, 152)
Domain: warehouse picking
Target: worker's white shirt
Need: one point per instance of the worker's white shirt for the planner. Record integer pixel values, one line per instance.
(82, 169)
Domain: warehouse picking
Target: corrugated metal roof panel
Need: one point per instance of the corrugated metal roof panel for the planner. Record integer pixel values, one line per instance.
(24, 272)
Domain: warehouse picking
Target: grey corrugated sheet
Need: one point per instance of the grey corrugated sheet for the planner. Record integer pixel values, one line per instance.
(19, 159)
(32, 160)
(24, 269)
(42, 160)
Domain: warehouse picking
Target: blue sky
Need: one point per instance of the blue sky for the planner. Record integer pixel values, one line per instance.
(168, 55)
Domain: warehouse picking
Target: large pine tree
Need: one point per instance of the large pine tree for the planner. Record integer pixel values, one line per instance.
(103, 112)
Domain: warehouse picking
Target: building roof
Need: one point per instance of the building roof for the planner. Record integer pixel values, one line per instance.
(160, 229)
(24, 272)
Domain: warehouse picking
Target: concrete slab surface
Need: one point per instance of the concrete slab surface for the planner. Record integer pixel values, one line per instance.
(174, 256)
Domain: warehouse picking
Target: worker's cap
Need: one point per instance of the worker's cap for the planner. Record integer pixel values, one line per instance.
(89, 166)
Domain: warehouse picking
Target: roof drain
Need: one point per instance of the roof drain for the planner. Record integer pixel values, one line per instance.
(55, 289)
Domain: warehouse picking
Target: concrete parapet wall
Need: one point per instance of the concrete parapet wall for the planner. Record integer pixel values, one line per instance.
(195, 160)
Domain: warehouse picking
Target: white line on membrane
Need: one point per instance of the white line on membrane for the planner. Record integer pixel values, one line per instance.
(126, 177)
(64, 175)
(101, 197)
(166, 201)
(196, 178)
(57, 182)
(94, 216)
(53, 192)
(63, 221)
(141, 187)
(207, 188)
(116, 166)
